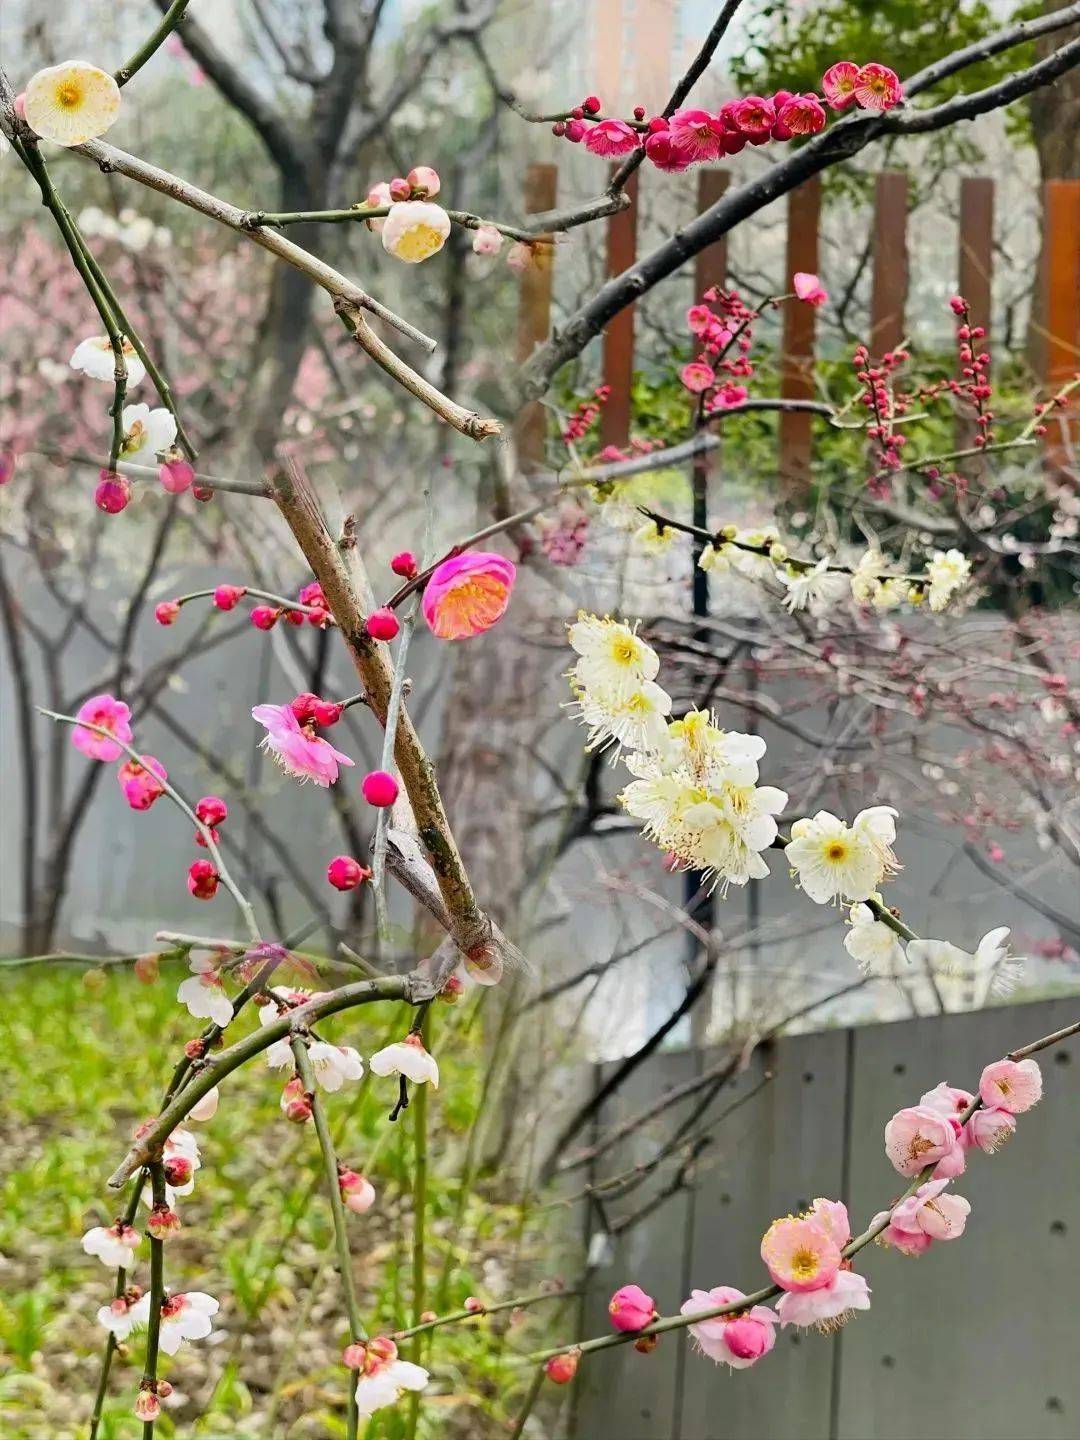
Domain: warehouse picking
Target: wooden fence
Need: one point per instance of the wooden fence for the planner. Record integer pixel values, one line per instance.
(974, 1340)
(1057, 327)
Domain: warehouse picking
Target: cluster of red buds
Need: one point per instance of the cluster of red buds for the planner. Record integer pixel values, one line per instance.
(310, 607)
(973, 385)
(586, 415)
(886, 404)
(723, 325)
(691, 136)
(203, 878)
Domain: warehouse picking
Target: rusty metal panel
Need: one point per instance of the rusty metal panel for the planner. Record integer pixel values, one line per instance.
(534, 314)
(797, 351)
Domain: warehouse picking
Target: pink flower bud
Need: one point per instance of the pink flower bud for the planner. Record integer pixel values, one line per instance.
(113, 492)
(452, 990)
(176, 476)
(167, 612)
(202, 880)
(327, 712)
(473, 1305)
(264, 617)
(630, 1308)
(562, 1368)
(178, 1170)
(591, 105)
(575, 131)
(226, 596)
(353, 1355)
(379, 789)
(345, 873)
(400, 189)
(163, 1223)
(303, 706)
(147, 1406)
(295, 1102)
(293, 617)
(203, 493)
(146, 969)
(212, 810)
(404, 564)
(423, 181)
(382, 624)
(200, 838)
(357, 1191)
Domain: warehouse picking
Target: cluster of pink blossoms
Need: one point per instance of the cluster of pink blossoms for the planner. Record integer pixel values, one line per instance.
(585, 416)
(694, 136)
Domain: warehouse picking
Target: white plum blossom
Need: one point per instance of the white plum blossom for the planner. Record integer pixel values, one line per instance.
(113, 1245)
(376, 1391)
(835, 861)
(813, 589)
(632, 719)
(948, 571)
(121, 1316)
(874, 946)
(654, 539)
(332, 1065)
(183, 1317)
(94, 357)
(203, 993)
(407, 1057)
(71, 103)
(146, 430)
(612, 655)
(988, 972)
(415, 230)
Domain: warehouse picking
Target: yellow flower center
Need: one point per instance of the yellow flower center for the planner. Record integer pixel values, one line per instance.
(836, 851)
(804, 1264)
(69, 95)
(419, 242)
(623, 650)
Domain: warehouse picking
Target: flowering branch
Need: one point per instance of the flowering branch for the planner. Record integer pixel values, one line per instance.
(769, 1292)
(153, 43)
(149, 1384)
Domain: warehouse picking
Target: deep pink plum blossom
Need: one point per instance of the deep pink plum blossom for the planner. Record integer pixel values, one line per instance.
(202, 880)
(264, 617)
(739, 1339)
(919, 1136)
(611, 137)
(468, 594)
(696, 133)
(809, 288)
(877, 87)
(801, 115)
(1012, 1085)
(728, 396)
(990, 1128)
(700, 319)
(698, 376)
(631, 1309)
(107, 713)
(755, 116)
(141, 784)
(661, 149)
(404, 564)
(839, 83)
(827, 1308)
(299, 752)
(800, 1253)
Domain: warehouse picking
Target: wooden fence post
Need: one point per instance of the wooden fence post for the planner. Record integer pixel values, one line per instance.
(534, 315)
(618, 359)
(890, 262)
(797, 354)
(976, 266)
(1060, 285)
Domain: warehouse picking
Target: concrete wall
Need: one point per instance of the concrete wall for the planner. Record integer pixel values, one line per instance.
(975, 1340)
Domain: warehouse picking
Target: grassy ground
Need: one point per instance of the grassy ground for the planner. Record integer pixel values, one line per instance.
(81, 1068)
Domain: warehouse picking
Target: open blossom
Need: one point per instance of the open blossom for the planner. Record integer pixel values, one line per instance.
(839, 83)
(415, 230)
(990, 1128)
(827, 1308)
(468, 594)
(332, 1065)
(94, 357)
(813, 589)
(1011, 1085)
(141, 782)
(800, 1253)
(121, 1315)
(728, 396)
(698, 376)
(877, 87)
(384, 1385)
(802, 115)
(408, 1057)
(755, 116)
(696, 133)
(610, 653)
(611, 137)
(948, 571)
(633, 719)
(919, 1136)
(739, 1339)
(809, 288)
(71, 103)
(108, 714)
(183, 1317)
(113, 1245)
(204, 996)
(146, 430)
(928, 1215)
(834, 861)
(874, 946)
(978, 976)
(296, 748)
(631, 1309)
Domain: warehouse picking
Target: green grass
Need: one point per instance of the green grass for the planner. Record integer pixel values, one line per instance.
(81, 1068)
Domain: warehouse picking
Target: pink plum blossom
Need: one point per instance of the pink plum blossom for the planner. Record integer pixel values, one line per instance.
(296, 748)
(728, 396)
(662, 150)
(800, 1253)
(379, 788)
(109, 714)
(1012, 1085)
(176, 475)
(739, 1339)
(839, 83)
(919, 1136)
(877, 87)
(357, 1192)
(828, 1307)
(113, 492)
(802, 115)
(700, 319)
(809, 288)
(696, 133)
(141, 783)
(631, 1309)
(487, 240)
(989, 1128)
(930, 1214)
(698, 376)
(755, 116)
(611, 137)
(423, 181)
(468, 594)
(119, 1317)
